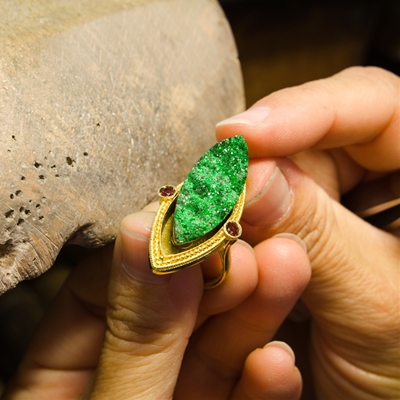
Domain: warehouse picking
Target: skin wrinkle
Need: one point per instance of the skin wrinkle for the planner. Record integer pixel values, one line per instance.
(326, 388)
(140, 381)
(340, 383)
(314, 232)
(379, 327)
(119, 329)
(154, 361)
(359, 346)
(131, 303)
(369, 282)
(345, 369)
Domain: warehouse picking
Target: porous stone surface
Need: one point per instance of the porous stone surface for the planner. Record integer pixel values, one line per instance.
(101, 103)
(211, 189)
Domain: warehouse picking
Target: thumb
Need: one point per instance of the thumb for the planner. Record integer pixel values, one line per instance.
(149, 320)
(344, 250)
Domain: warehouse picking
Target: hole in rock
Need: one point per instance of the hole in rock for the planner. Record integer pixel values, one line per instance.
(9, 213)
(18, 192)
(70, 161)
(5, 248)
(20, 221)
(22, 178)
(37, 165)
(11, 196)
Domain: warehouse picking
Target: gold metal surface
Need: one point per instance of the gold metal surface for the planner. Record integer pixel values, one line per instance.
(166, 257)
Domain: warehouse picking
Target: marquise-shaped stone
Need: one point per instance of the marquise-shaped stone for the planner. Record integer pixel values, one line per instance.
(211, 189)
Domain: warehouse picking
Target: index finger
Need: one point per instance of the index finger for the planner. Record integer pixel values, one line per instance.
(358, 109)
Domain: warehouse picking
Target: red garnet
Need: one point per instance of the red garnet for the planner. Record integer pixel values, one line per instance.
(233, 228)
(167, 191)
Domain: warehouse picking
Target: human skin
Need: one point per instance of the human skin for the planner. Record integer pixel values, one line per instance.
(129, 341)
(150, 318)
(341, 131)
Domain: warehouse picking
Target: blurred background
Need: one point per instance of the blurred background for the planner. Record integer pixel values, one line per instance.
(280, 44)
(290, 42)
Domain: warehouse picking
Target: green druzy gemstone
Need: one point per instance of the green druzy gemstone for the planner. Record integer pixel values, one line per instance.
(211, 189)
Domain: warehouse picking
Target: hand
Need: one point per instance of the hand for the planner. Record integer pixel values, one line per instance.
(133, 348)
(341, 131)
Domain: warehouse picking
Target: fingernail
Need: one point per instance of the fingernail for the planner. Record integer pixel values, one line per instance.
(271, 203)
(293, 237)
(283, 346)
(253, 116)
(135, 257)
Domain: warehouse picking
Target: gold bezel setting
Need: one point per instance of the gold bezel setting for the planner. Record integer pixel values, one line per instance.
(166, 257)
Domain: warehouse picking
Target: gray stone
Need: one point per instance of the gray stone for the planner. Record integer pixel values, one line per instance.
(101, 103)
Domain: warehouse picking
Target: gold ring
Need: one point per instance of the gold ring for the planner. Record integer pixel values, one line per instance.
(201, 216)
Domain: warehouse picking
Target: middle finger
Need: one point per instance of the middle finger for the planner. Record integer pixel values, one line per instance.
(216, 353)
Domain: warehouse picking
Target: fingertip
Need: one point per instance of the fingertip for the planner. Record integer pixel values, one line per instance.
(152, 206)
(293, 237)
(139, 223)
(284, 265)
(270, 372)
(282, 348)
(132, 248)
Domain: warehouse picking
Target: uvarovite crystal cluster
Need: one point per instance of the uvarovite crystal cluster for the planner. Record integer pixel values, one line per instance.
(201, 215)
(211, 189)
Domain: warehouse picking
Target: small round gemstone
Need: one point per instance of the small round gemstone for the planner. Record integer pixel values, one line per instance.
(167, 191)
(233, 229)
